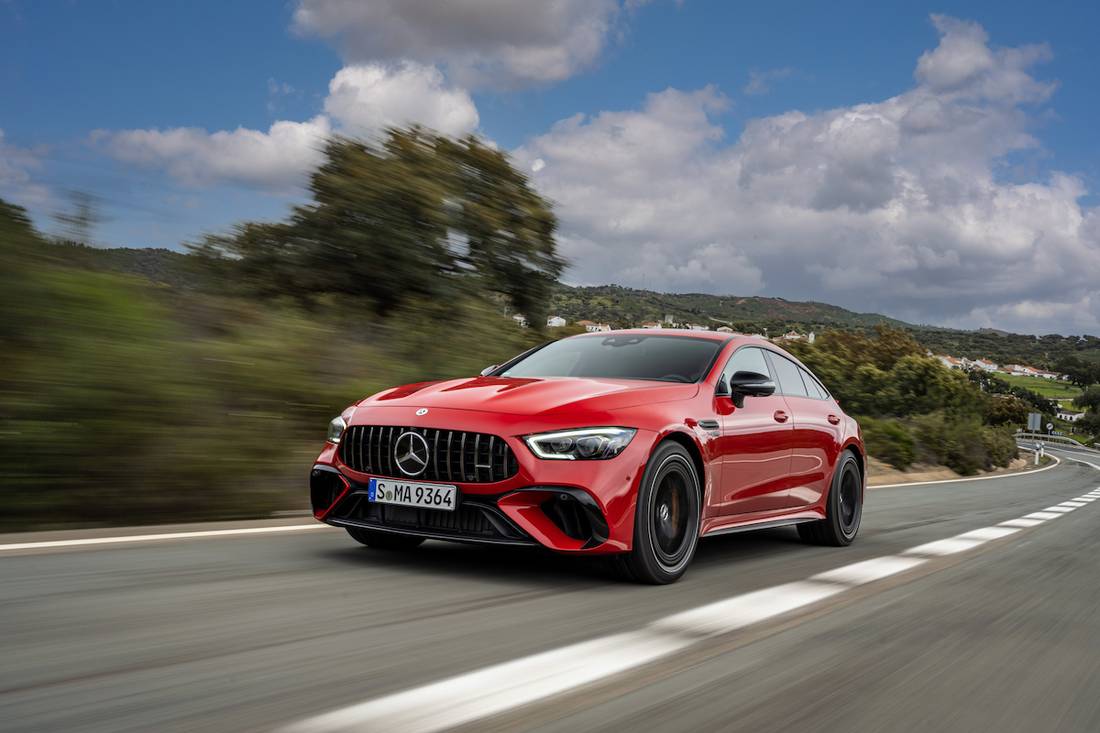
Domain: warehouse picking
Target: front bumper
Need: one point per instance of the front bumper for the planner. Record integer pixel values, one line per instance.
(566, 506)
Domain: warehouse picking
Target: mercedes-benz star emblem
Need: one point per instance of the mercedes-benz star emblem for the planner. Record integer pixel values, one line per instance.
(422, 411)
(410, 452)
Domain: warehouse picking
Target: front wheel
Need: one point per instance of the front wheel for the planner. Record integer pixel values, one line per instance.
(666, 521)
(843, 508)
(383, 540)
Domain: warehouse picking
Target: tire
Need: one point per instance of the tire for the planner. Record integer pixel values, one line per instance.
(666, 519)
(843, 507)
(383, 540)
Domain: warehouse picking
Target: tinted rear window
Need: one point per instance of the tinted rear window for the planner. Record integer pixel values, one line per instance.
(662, 358)
(790, 377)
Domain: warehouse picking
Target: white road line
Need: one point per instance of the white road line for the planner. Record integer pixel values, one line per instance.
(869, 571)
(491, 690)
(1073, 503)
(1022, 523)
(1043, 515)
(750, 608)
(949, 546)
(985, 534)
(155, 537)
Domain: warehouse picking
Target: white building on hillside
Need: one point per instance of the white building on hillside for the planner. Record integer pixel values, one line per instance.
(555, 322)
(1069, 416)
(520, 319)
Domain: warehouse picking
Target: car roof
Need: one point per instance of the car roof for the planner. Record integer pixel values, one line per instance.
(681, 332)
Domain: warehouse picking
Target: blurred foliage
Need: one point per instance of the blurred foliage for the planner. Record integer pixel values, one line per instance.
(417, 217)
(132, 399)
(913, 409)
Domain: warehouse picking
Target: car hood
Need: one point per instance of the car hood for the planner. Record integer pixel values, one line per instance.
(516, 396)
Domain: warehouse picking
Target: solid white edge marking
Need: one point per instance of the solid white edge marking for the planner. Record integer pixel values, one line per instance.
(156, 537)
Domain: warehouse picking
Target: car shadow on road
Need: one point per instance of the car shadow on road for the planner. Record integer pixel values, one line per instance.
(520, 565)
(529, 566)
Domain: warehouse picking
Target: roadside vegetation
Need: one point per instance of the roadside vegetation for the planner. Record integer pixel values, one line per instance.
(204, 392)
(911, 408)
(152, 386)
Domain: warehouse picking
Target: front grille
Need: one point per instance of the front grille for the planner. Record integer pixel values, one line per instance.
(453, 455)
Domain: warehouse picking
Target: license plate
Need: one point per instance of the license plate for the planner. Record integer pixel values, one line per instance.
(406, 493)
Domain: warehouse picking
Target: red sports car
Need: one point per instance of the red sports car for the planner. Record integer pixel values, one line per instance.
(630, 443)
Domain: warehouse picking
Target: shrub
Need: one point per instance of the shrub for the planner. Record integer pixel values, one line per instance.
(890, 441)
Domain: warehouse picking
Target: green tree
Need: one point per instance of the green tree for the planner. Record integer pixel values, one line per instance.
(417, 217)
(1089, 399)
(1080, 372)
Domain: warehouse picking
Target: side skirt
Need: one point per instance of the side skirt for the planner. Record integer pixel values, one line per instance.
(765, 524)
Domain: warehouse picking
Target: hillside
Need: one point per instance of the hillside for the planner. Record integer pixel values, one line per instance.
(615, 304)
(629, 306)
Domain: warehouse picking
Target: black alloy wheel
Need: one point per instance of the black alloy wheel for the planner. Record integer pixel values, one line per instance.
(843, 508)
(666, 520)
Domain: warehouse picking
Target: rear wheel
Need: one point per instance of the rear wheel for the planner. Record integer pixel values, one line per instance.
(383, 540)
(843, 509)
(666, 522)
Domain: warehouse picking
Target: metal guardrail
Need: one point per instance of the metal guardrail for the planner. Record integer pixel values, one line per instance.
(1054, 440)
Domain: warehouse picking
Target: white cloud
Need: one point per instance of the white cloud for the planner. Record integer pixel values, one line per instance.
(16, 181)
(895, 205)
(478, 42)
(276, 159)
(362, 100)
(368, 98)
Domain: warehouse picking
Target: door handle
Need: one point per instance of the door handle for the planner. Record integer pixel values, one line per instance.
(780, 416)
(833, 419)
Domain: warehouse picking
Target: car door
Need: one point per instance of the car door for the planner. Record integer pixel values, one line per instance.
(816, 436)
(755, 445)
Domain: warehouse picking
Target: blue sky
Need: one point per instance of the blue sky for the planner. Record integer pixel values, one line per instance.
(134, 70)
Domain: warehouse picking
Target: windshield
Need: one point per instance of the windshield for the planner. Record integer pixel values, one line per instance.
(662, 358)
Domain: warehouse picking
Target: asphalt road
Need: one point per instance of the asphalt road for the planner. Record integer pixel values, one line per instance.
(264, 631)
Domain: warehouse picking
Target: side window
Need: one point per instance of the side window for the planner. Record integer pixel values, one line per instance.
(790, 377)
(746, 359)
(813, 386)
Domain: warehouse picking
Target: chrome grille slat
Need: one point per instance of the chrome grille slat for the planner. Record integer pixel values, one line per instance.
(369, 449)
(462, 459)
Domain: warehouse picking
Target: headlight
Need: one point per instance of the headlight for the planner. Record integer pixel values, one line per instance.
(584, 444)
(336, 429)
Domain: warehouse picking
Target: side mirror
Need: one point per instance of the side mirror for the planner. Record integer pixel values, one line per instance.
(747, 384)
(751, 384)
(489, 370)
